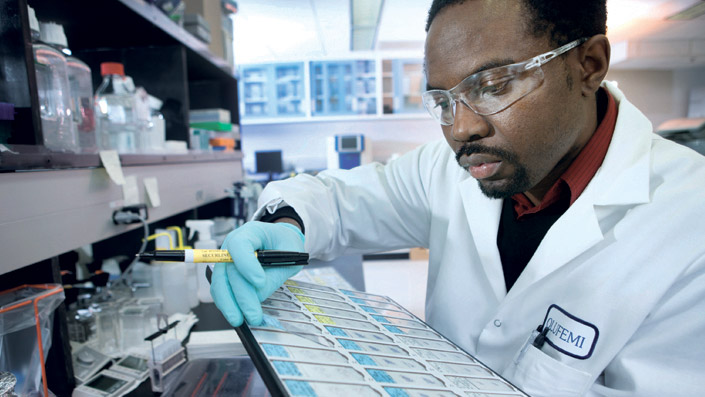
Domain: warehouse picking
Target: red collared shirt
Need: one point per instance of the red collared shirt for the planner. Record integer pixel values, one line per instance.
(576, 178)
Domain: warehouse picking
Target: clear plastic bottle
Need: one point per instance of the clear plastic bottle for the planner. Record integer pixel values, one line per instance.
(154, 134)
(157, 131)
(204, 227)
(115, 102)
(81, 84)
(143, 114)
(54, 93)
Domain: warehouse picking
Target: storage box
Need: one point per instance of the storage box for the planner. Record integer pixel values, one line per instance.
(209, 115)
(197, 26)
(212, 13)
(26, 314)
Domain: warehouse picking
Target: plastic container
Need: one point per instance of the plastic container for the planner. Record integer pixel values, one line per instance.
(81, 325)
(26, 319)
(170, 278)
(143, 116)
(205, 241)
(223, 144)
(154, 307)
(134, 327)
(199, 139)
(142, 280)
(192, 284)
(81, 85)
(191, 290)
(108, 328)
(54, 94)
(175, 288)
(115, 102)
(157, 133)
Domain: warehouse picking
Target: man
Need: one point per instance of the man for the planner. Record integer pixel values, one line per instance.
(566, 215)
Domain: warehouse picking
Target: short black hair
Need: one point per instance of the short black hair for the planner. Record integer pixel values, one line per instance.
(561, 20)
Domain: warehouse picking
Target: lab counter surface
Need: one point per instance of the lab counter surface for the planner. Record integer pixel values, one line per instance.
(211, 319)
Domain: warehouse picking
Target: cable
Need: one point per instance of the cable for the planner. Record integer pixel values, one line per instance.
(129, 217)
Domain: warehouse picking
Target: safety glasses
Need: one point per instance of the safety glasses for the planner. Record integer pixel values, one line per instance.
(491, 91)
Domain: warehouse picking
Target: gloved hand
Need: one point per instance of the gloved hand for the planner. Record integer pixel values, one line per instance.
(238, 288)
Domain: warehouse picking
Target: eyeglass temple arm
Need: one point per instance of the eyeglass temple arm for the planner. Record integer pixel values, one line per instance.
(543, 58)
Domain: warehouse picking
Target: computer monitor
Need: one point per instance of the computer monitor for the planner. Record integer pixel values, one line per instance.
(269, 162)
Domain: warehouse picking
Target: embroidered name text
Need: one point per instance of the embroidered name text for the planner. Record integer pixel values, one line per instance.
(564, 334)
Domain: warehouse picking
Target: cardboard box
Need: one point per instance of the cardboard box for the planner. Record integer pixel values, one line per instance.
(212, 13)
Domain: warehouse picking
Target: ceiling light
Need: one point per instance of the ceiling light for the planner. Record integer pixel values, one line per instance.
(689, 13)
(365, 17)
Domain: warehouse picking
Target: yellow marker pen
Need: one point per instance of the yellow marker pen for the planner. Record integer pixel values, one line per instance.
(265, 257)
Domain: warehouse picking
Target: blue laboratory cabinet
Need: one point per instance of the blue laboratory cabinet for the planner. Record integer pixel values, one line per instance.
(343, 87)
(272, 90)
(403, 82)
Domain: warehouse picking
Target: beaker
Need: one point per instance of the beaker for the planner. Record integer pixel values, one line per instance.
(133, 327)
(108, 328)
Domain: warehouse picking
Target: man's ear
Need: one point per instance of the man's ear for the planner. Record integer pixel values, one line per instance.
(594, 61)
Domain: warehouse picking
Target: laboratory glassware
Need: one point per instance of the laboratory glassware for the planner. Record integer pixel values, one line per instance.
(115, 104)
(81, 85)
(53, 90)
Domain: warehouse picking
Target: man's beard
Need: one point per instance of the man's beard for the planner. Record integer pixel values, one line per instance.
(518, 182)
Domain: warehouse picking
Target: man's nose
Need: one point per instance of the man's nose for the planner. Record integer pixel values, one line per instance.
(468, 126)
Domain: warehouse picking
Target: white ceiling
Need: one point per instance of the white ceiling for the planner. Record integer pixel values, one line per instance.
(281, 30)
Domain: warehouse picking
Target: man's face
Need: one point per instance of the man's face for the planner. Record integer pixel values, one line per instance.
(525, 147)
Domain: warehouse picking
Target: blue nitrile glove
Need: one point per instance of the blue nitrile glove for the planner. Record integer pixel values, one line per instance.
(238, 288)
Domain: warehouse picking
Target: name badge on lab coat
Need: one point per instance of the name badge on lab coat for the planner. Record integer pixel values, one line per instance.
(569, 334)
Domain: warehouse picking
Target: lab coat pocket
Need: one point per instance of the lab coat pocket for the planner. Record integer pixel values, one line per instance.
(539, 374)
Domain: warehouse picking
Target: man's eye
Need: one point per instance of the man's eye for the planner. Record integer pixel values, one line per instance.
(496, 87)
(443, 105)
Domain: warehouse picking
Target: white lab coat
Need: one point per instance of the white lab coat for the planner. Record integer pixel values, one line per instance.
(628, 258)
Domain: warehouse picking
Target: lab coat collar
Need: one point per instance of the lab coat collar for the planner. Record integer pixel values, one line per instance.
(623, 179)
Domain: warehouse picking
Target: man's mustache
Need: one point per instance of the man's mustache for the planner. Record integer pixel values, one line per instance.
(472, 148)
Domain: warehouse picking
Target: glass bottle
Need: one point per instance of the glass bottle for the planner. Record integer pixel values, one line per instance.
(115, 102)
(53, 92)
(81, 84)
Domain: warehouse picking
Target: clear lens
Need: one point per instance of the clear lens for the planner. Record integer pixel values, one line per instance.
(440, 105)
(493, 90)
(485, 93)
(498, 93)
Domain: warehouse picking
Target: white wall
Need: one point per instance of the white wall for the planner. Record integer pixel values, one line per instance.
(661, 95)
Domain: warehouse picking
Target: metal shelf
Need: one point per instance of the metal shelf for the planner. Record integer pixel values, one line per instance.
(49, 212)
(56, 202)
(157, 53)
(33, 158)
(104, 24)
